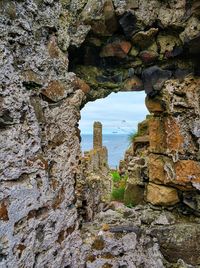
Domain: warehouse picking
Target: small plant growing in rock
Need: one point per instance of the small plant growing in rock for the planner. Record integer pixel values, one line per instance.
(115, 176)
(130, 205)
(119, 186)
(132, 136)
(118, 193)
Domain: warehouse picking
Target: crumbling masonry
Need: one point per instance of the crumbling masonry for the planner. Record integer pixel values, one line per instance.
(55, 56)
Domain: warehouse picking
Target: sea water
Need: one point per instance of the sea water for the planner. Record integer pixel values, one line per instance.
(116, 144)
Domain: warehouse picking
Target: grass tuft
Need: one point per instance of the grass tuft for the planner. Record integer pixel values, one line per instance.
(132, 136)
(118, 194)
(115, 176)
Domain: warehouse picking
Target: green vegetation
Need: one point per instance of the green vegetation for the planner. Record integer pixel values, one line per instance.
(119, 186)
(132, 136)
(118, 194)
(115, 176)
(130, 205)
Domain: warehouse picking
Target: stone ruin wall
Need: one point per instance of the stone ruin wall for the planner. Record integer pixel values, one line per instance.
(94, 185)
(163, 162)
(40, 102)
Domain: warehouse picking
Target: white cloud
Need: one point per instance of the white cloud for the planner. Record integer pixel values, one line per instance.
(119, 112)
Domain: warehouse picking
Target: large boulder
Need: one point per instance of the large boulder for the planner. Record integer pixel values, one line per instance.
(181, 241)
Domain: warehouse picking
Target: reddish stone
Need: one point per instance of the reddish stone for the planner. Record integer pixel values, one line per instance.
(174, 138)
(148, 56)
(117, 49)
(187, 171)
(164, 134)
(81, 84)
(53, 48)
(156, 169)
(181, 174)
(157, 137)
(54, 91)
(3, 211)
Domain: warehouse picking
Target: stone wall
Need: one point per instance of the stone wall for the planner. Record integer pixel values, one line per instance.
(40, 102)
(174, 144)
(39, 113)
(94, 185)
(163, 162)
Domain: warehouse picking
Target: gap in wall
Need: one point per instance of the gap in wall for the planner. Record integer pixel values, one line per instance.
(119, 114)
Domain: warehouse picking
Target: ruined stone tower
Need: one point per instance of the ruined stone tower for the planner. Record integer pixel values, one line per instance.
(97, 135)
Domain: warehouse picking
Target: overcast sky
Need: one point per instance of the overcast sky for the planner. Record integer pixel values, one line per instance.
(119, 113)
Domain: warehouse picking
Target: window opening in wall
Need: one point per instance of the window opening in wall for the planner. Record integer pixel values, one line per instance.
(119, 114)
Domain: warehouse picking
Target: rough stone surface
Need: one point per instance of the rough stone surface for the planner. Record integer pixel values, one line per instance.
(94, 184)
(128, 232)
(161, 195)
(178, 242)
(117, 49)
(40, 102)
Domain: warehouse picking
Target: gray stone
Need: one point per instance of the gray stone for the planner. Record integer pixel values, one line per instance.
(154, 78)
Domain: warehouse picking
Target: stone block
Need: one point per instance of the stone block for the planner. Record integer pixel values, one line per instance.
(148, 56)
(187, 171)
(101, 16)
(144, 39)
(174, 138)
(118, 48)
(182, 174)
(180, 241)
(154, 105)
(165, 135)
(157, 173)
(154, 79)
(168, 44)
(134, 194)
(81, 84)
(128, 23)
(161, 195)
(54, 91)
(157, 135)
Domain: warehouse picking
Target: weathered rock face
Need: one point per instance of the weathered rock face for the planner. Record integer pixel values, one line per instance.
(168, 147)
(40, 102)
(39, 111)
(141, 237)
(161, 195)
